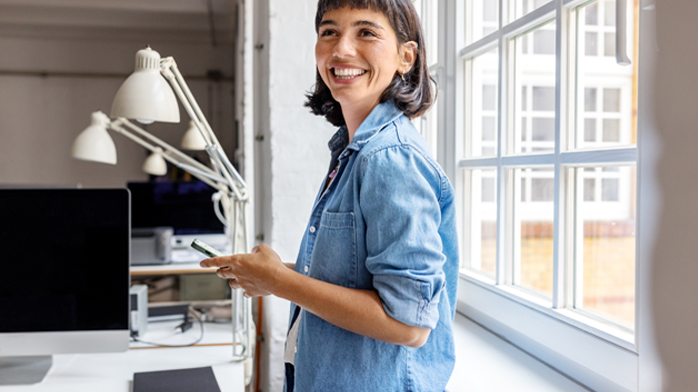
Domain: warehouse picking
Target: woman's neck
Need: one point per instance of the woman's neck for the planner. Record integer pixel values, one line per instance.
(354, 116)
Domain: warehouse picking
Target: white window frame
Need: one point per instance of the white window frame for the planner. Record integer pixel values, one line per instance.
(586, 349)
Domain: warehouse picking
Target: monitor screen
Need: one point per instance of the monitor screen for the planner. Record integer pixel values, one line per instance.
(186, 206)
(64, 261)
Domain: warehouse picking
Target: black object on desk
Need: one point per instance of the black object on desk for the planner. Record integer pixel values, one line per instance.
(180, 380)
(168, 312)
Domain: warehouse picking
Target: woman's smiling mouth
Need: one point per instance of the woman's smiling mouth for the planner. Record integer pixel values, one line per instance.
(347, 73)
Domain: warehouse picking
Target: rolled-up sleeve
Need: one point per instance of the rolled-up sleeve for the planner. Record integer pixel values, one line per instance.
(399, 199)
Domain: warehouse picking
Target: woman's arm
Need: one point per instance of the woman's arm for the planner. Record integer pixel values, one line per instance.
(358, 311)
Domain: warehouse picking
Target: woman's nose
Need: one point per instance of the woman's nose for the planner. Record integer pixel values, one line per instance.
(344, 48)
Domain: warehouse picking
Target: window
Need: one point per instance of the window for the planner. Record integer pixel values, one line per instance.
(544, 157)
(428, 11)
(570, 164)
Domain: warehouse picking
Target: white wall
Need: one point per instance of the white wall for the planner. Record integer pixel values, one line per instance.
(293, 156)
(675, 262)
(49, 85)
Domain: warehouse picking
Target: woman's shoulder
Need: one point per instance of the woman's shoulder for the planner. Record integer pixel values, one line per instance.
(397, 134)
(399, 147)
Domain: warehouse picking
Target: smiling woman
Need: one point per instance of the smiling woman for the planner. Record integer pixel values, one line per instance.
(373, 289)
(393, 44)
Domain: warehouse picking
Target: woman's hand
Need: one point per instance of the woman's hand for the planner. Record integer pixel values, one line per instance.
(261, 272)
(257, 272)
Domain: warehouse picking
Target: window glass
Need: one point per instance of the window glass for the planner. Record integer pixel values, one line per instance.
(480, 234)
(534, 107)
(605, 273)
(482, 119)
(523, 7)
(606, 107)
(513, 228)
(533, 229)
(482, 19)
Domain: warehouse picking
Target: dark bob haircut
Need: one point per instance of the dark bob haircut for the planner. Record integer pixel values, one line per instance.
(413, 95)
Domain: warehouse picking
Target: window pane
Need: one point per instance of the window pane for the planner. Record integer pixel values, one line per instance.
(589, 189)
(606, 110)
(544, 42)
(591, 44)
(489, 128)
(609, 189)
(523, 7)
(589, 99)
(480, 234)
(609, 44)
(489, 97)
(482, 18)
(481, 115)
(533, 225)
(429, 14)
(592, 14)
(427, 125)
(543, 129)
(609, 13)
(611, 100)
(544, 98)
(605, 272)
(542, 189)
(589, 130)
(534, 78)
(611, 130)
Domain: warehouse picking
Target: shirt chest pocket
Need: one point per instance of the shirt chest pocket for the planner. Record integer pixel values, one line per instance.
(334, 255)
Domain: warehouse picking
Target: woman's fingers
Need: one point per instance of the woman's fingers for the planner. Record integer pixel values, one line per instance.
(225, 273)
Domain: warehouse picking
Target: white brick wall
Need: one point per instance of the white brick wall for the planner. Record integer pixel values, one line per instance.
(292, 157)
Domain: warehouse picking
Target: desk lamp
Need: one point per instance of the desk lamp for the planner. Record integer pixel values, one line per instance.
(147, 95)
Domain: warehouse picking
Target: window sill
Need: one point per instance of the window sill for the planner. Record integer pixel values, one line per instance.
(485, 362)
(600, 360)
(607, 331)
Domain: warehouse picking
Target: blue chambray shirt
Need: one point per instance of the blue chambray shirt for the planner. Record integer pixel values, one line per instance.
(386, 223)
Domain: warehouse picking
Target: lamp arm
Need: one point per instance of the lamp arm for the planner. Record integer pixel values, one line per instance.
(168, 68)
(178, 155)
(235, 208)
(207, 175)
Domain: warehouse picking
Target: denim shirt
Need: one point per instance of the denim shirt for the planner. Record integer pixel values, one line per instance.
(386, 223)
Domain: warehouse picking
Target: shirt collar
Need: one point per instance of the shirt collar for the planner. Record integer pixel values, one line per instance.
(379, 117)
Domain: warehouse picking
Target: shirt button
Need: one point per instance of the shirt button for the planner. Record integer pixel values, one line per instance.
(312, 229)
(306, 269)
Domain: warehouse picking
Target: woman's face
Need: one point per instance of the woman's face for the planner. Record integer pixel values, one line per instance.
(357, 56)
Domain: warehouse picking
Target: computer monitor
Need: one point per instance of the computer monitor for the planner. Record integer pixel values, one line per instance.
(186, 206)
(64, 276)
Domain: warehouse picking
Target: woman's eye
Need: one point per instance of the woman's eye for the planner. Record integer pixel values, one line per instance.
(326, 33)
(367, 33)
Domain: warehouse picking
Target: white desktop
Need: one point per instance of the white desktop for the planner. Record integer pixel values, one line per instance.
(64, 300)
(64, 277)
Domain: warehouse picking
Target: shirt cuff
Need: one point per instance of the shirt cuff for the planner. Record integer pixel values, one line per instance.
(408, 300)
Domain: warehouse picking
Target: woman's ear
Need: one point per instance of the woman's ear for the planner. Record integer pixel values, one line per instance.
(408, 55)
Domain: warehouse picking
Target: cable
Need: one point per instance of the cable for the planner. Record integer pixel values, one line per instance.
(182, 326)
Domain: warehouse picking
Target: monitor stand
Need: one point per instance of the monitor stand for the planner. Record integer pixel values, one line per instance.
(24, 370)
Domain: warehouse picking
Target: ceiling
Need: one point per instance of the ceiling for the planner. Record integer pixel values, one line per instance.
(210, 21)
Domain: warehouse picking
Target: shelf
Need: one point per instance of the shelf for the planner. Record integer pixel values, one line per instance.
(170, 269)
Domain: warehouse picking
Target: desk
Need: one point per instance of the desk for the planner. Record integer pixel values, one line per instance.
(170, 269)
(113, 372)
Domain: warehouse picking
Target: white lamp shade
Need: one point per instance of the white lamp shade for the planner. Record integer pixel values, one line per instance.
(94, 143)
(192, 139)
(145, 94)
(155, 164)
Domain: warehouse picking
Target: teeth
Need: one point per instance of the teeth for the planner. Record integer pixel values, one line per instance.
(347, 73)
